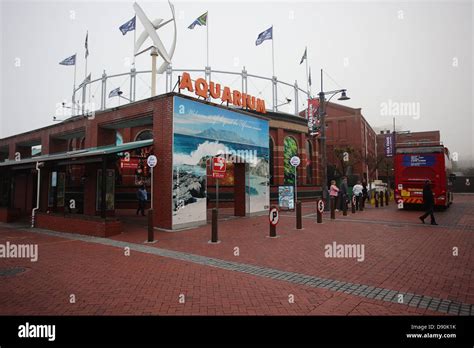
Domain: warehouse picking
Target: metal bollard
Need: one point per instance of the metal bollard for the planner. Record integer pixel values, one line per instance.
(299, 219)
(214, 237)
(333, 208)
(151, 230)
(376, 199)
(361, 203)
(381, 198)
(387, 197)
(344, 206)
(353, 207)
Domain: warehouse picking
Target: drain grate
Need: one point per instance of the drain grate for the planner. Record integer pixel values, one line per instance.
(6, 272)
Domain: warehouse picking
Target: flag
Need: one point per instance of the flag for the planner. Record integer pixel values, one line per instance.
(69, 61)
(266, 35)
(86, 80)
(201, 20)
(129, 26)
(115, 92)
(304, 56)
(86, 45)
(309, 76)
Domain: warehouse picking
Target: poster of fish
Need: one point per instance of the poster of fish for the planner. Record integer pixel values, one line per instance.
(201, 131)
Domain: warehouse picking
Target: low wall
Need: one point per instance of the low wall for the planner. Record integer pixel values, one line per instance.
(9, 214)
(80, 224)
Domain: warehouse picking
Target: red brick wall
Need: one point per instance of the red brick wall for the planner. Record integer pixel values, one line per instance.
(78, 224)
(8, 214)
(163, 175)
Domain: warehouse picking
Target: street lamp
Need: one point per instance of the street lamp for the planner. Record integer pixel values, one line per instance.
(322, 118)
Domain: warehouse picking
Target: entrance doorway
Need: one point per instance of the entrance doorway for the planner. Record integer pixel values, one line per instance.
(229, 193)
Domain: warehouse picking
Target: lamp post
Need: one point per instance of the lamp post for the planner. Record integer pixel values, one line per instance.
(322, 118)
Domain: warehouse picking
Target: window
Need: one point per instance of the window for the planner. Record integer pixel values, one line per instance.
(290, 149)
(144, 135)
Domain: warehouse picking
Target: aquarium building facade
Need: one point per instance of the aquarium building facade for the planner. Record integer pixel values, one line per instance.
(81, 175)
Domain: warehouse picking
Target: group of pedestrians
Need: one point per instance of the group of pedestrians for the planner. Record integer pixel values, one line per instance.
(340, 195)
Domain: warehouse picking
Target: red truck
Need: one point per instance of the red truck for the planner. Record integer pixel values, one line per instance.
(416, 162)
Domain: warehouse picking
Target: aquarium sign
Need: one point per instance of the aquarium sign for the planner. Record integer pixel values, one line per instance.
(202, 88)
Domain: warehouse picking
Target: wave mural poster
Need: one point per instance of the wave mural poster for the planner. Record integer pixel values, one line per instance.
(201, 131)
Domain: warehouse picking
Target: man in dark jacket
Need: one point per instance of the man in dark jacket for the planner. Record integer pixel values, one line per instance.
(343, 192)
(142, 198)
(428, 202)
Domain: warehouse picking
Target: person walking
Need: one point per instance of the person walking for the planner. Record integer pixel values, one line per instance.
(364, 192)
(428, 202)
(343, 192)
(333, 193)
(142, 197)
(357, 192)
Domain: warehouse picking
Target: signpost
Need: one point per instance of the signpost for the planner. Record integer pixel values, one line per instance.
(319, 214)
(151, 162)
(295, 162)
(218, 172)
(273, 218)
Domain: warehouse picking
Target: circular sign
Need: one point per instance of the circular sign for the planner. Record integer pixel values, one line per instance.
(320, 205)
(295, 161)
(151, 161)
(273, 216)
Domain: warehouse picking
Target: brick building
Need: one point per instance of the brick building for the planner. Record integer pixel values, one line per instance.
(183, 133)
(347, 130)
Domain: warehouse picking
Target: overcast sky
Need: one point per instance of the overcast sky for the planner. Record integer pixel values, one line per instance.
(387, 54)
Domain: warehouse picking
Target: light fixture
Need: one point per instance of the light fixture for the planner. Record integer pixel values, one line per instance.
(343, 96)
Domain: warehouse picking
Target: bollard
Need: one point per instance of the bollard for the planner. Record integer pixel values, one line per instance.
(381, 198)
(214, 237)
(353, 207)
(151, 230)
(299, 220)
(344, 206)
(376, 199)
(361, 203)
(387, 197)
(319, 217)
(273, 231)
(333, 208)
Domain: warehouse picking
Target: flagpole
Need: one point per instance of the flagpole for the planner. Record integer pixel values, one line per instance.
(307, 73)
(273, 53)
(87, 53)
(134, 40)
(207, 39)
(74, 88)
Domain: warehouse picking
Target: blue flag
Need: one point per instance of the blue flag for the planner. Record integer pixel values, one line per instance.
(266, 35)
(129, 26)
(201, 20)
(69, 61)
(115, 92)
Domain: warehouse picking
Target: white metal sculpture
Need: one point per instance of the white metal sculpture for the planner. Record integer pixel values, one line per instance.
(157, 48)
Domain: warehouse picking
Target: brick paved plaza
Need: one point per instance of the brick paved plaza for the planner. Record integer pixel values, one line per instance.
(408, 268)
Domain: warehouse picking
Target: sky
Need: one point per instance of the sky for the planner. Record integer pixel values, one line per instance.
(412, 61)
